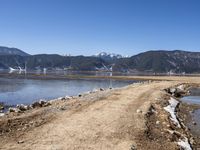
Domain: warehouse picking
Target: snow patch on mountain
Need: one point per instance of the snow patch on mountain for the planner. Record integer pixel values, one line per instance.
(111, 55)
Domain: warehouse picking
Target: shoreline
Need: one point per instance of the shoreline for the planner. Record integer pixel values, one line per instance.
(114, 77)
(158, 120)
(186, 112)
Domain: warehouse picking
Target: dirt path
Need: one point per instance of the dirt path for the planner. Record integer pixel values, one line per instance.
(110, 123)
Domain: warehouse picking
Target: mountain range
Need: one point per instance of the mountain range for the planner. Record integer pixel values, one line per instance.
(11, 51)
(162, 61)
(159, 61)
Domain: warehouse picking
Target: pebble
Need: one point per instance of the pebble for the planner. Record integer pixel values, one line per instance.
(139, 111)
(61, 98)
(67, 97)
(133, 147)
(1, 107)
(2, 114)
(20, 142)
(168, 126)
(41, 103)
(192, 140)
(192, 111)
(13, 109)
(157, 122)
(194, 123)
(101, 89)
(22, 107)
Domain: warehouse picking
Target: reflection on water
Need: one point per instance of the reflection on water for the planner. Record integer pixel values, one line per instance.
(17, 91)
(45, 71)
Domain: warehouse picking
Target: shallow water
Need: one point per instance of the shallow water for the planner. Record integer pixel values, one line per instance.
(194, 98)
(18, 91)
(196, 118)
(191, 99)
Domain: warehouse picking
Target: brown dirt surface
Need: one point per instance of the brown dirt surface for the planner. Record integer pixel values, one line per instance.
(111, 119)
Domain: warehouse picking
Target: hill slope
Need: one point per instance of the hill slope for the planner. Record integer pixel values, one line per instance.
(161, 61)
(52, 61)
(11, 51)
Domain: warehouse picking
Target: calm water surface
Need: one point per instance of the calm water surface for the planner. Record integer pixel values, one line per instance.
(18, 91)
(194, 98)
(191, 99)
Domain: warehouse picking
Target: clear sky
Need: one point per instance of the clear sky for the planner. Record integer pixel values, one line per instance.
(91, 26)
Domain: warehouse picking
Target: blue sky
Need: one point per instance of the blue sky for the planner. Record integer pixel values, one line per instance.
(90, 26)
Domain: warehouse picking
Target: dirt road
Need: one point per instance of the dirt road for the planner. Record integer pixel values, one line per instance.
(115, 121)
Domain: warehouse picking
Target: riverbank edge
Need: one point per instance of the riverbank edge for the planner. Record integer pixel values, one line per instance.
(185, 111)
(114, 77)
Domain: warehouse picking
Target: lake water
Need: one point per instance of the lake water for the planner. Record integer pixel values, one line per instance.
(194, 98)
(191, 99)
(25, 91)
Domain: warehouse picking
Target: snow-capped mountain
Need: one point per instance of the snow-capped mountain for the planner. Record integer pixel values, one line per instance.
(109, 55)
(158, 61)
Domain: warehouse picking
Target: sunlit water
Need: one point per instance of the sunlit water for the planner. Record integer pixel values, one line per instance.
(18, 91)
